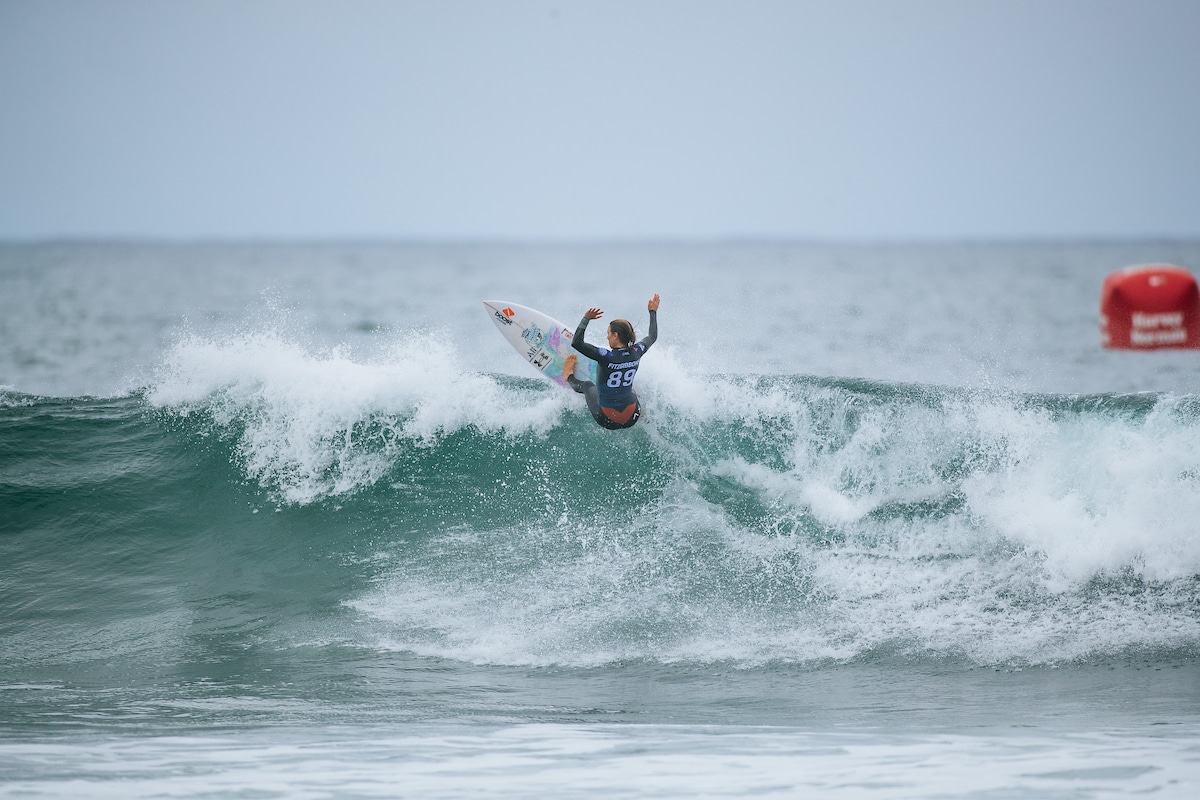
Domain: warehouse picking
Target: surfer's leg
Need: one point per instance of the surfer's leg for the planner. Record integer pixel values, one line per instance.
(592, 395)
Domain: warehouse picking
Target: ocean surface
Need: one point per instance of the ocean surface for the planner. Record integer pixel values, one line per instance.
(293, 520)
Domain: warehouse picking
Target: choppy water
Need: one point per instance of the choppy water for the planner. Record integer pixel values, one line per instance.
(294, 521)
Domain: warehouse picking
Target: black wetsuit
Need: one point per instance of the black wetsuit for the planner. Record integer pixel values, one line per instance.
(612, 400)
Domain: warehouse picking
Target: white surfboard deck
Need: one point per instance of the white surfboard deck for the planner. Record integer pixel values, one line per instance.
(540, 339)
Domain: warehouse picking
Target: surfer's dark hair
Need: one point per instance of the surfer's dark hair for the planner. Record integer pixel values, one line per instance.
(623, 328)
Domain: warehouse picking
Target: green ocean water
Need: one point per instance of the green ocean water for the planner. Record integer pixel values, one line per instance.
(288, 568)
(144, 539)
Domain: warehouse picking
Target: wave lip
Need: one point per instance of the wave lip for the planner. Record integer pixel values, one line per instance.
(313, 425)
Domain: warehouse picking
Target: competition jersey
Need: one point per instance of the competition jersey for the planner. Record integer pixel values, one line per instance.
(616, 369)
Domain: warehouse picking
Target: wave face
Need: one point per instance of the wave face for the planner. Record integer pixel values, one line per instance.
(262, 496)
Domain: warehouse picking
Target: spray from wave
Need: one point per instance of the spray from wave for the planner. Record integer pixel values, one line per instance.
(310, 425)
(747, 518)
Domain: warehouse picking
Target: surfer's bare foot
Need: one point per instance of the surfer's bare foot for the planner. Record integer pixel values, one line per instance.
(569, 365)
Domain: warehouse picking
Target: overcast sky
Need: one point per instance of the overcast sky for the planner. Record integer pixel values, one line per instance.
(541, 119)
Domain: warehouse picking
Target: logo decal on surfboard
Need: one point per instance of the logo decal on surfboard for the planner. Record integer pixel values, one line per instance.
(533, 334)
(541, 358)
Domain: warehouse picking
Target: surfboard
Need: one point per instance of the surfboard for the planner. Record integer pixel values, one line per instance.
(540, 339)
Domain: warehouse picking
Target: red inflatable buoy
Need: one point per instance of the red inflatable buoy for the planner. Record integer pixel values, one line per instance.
(1149, 307)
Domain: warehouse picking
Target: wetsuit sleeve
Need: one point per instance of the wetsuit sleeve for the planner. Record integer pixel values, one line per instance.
(652, 336)
(579, 344)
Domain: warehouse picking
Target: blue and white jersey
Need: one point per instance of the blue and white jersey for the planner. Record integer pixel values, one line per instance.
(615, 371)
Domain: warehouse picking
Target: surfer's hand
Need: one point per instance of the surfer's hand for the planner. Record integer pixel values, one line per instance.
(593, 313)
(653, 304)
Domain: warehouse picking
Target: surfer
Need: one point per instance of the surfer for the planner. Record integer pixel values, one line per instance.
(611, 400)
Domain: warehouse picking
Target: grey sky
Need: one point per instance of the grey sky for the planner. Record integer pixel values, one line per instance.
(538, 119)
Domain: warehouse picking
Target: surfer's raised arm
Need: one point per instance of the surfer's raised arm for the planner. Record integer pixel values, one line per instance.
(577, 341)
(652, 335)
